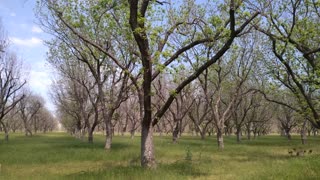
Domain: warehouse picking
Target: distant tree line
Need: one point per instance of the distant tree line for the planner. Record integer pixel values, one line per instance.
(20, 109)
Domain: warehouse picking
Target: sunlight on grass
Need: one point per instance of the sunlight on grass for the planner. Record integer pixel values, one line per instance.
(60, 156)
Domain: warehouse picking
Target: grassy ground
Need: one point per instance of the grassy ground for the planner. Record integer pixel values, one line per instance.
(60, 156)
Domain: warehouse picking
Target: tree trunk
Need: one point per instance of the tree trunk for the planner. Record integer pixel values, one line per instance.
(180, 128)
(119, 127)
(90, 136)
(82, 133)
(132, 133)
(124, 129)
(6, 136)
(108, 134)
(77, 130)
(108, 141)
(220, 139)
(28, 132)
(197, 132)
(230, 132)
(76, 134)
(175, 133)
(147, 148)
(238, 135)
(249, 131)
(288, 134)
(203, 134)
(6, 132)
(303, 133)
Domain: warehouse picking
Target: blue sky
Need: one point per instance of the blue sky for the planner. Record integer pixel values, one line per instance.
(26, 39)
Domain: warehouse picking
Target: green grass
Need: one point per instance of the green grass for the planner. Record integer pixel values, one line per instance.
(60, 156)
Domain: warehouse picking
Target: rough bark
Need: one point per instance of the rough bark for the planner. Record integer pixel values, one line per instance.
(220, 139)
(147, 147)
(108, 141)
(109, 134)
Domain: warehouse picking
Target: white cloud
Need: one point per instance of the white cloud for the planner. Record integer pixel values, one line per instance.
(26, 42)
(36, 29)
(13, 14)
(40, 82)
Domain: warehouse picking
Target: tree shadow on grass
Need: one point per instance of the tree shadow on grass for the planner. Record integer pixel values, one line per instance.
(82, 144)
(177, 170)
(269, 156)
